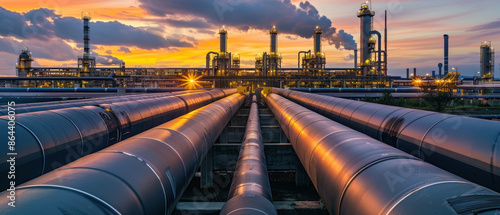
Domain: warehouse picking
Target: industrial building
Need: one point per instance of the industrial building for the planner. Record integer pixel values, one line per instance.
(487, 61)
(223, 67)
(228, 151)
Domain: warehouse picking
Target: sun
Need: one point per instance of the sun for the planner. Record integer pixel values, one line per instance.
(191, 81)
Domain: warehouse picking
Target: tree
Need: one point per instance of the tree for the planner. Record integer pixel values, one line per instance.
(387, 98)
(438, 100)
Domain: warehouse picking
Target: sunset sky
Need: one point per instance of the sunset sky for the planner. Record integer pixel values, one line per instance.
(178, 33)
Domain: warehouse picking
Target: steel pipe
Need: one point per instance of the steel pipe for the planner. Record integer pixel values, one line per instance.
(250, 191)
(358, 90)
(145, 174)
(50, 139)
(356, 174)
(467, 147)
(34, 107)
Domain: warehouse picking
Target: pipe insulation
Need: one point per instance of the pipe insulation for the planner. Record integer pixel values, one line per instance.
(356, 174)
(46, 140)
(465, 146)
(145, 174)
(250, 191)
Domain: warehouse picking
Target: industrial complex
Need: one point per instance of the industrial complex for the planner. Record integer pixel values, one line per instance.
(229, 140)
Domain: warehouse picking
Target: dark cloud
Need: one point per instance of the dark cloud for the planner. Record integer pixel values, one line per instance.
(44, 24)
(125, 50)
(193, 23)
(204, 31)
(52, 49)
(254, 14)
(107, 60)
(109, 52)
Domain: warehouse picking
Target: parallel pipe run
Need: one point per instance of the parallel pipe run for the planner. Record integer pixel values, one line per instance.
(145, 174)
(50, 139)
(355, 174)
(42, 106)
(467, 147)
(250, 191)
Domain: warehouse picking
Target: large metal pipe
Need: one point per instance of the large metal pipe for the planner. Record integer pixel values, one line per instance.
(359, 90)
(92, 90)
(47, 140)
(467, 147)
(146, 174)
(250, 191)
(355, 174)
(379, 50)
(41, 106)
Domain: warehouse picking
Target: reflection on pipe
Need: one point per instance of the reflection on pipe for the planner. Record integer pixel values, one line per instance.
(145, 174)
(42, 106)
(250, 191)
(355, 174)
(50, 139)
(467, 147)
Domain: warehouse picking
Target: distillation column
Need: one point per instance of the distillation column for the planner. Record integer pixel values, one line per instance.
(365, 15)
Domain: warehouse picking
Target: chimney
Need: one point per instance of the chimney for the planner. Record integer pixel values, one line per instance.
(446, 46)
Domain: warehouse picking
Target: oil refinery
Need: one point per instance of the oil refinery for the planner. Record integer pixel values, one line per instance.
(228, 138)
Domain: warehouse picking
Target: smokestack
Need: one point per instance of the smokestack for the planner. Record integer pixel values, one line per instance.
(223, 39)
(385, 43)
(317, 39)
(407, 73)
(414, 72)
(446, 38)
(274, 40)
(440, 65)
(86, 28)
(355, 58)
(433, 74)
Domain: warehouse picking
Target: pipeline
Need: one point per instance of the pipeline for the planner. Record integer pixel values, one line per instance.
(145, 174)
(50, 139)
(359, 90)
(41, 106)
(91, 90)
(355, 174)
(467, 147)
(250, 191)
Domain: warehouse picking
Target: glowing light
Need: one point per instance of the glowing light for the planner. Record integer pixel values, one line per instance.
(191, 81)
